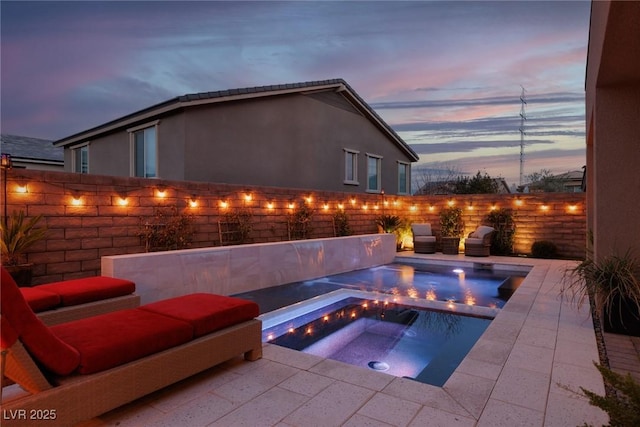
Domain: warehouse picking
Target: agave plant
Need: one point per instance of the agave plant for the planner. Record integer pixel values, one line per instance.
(18, 235)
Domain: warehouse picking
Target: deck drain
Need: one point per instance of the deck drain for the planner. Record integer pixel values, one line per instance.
(378, 366)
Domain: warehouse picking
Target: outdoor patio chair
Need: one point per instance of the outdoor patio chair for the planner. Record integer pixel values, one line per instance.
(478, 243)
(424, 242)
(78, 370)
(74, 299)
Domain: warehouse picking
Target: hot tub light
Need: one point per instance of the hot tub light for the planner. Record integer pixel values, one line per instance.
(291, 330)
(270, 337)
(309, 330)
(458, 270)
(326, 318)
(353, 315)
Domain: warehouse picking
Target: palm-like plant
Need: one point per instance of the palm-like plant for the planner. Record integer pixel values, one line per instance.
(18, 236)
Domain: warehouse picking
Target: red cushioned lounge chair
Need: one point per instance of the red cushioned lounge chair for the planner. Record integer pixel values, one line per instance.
(68, 300)
(87, 367)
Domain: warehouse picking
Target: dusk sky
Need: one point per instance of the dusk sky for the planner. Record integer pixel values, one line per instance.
(446, 76)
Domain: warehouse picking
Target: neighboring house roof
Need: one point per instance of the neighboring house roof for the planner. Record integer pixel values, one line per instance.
(189, 100)
(34, 151)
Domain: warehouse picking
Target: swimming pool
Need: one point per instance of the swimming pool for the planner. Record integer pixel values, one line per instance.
(416, 321)
(465, 284)
(402, 340)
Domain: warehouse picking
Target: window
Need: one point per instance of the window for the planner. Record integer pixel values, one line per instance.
(373, 173)
(80, 159)
(403, 178)
(350, 167)
(145, 151)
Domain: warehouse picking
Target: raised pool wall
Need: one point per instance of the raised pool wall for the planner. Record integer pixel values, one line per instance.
(234, 269)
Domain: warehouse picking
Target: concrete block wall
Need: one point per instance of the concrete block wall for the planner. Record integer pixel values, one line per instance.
(86, 221)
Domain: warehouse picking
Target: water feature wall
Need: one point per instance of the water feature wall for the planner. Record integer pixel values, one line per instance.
(234, 269)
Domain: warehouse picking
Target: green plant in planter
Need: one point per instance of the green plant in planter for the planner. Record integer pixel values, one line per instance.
(167, 230)
(18, 236)
(388, 223)
(299, 222)
(341, 223)
(502, 220)
(612, 281)
(451, 222)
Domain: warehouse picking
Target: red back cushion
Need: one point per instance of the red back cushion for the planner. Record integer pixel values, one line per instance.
(206, 312)
(40, 300)
(81, 291)
(53, 353)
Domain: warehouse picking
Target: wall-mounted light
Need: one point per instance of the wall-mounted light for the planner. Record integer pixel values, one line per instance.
(76, 200)
(353, 201)
(365, 207)
(161, 192)
(493, 207)
(291, 205)
(413, 208)
(193, 202)
(519, 201)
(325, 206)
(22, 189)
(470, 207)
(308, 199)
(248, 197)
(451, 202)
(431, 208)
(544, 207)
(6, 161)
(224, 204)
(573, 208)
(122, 201)
(270, 205)
(395, 202)
(376, 207)
(341, 206)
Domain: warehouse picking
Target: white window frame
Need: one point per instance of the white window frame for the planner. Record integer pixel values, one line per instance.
(132, 148)
(378, 159)
(74, 161)
(407, 188)
(351, 157)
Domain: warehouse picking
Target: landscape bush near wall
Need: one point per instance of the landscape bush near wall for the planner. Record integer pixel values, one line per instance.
(90, 216)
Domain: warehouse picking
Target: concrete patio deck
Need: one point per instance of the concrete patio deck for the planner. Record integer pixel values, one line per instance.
(525, 370)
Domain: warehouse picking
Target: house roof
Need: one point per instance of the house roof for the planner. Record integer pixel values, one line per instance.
(189, 100)
(31, 150)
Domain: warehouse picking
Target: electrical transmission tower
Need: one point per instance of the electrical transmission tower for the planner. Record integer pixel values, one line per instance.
(523, 117)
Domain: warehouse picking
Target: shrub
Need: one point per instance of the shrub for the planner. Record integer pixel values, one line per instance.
(544, 249)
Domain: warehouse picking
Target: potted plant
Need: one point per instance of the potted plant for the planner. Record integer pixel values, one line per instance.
(502, 220)
(612, 282)
(18, 235)
(451, 228)
(387, 223)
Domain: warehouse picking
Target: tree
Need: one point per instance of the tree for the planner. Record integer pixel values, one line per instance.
(478, 184)
(544, 181)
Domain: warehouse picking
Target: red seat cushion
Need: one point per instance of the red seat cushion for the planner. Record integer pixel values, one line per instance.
(112, 339)
(81, 291)
(19, 321)
(39, 299)
(206, 312)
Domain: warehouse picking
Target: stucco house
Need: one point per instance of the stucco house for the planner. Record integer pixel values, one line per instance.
(317, 135)
(32, 153)
(613, 129)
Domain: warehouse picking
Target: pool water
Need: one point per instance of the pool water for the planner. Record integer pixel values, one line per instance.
(405, 341)
(415, 321)
(465, 285)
